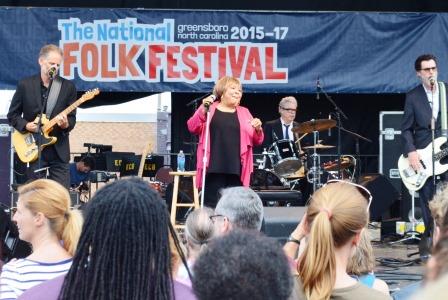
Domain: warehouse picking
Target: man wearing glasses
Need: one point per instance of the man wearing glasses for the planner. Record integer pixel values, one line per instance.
(422, 105)
(281, 129)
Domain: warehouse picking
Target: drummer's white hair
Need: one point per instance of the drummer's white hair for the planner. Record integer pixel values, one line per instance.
(242, 206)
(286, 100)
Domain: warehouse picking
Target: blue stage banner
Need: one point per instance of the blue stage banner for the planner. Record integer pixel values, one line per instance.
(187, 51)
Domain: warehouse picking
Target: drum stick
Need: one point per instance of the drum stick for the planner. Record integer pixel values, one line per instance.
(302, 137)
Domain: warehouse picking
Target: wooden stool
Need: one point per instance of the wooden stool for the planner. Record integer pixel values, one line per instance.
(174, 204)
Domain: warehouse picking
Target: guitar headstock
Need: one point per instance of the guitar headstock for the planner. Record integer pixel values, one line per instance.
(90, 94)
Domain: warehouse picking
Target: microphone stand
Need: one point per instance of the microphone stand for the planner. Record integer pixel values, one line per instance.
(338, 113)
(433, 128)
(39, 127)
(193, 139)
(205, 158)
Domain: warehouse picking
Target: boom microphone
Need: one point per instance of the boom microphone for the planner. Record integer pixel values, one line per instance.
(317, 88)
(52, 72)
(432, 81)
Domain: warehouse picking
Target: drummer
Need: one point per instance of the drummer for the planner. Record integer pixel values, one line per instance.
(281, 128)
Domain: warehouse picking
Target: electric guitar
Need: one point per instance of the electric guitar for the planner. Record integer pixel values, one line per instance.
(25, 144)
(414, 180)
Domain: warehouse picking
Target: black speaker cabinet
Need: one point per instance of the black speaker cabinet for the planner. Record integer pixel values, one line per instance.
(383, 192)
(279, 222)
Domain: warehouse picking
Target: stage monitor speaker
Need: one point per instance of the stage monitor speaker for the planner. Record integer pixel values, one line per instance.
(74, 198)
(279, 222)
(383, 194)
(280, 198)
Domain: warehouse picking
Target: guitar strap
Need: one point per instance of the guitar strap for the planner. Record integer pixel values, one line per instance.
(443, 110)
(53, 95)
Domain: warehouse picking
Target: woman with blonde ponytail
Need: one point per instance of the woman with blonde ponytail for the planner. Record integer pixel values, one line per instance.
(336, 215)
(45, 220)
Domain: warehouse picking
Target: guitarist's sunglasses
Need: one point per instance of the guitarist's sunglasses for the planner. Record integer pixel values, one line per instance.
(364, 192)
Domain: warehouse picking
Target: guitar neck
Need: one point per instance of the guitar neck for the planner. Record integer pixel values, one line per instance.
(87, 96)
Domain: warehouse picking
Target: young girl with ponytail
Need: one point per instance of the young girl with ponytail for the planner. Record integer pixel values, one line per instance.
(336, 215)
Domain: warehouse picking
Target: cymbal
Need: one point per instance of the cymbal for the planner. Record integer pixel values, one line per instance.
(318, 146)
(314, 125)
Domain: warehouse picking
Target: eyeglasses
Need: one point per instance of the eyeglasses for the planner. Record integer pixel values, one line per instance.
(429, 69)
(215, 217)
(291, 110)
(364, 192)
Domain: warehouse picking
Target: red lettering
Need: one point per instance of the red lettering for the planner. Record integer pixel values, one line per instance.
(186, 54)
(222, 64)
(105, 71)
(253, 65)
(89, 53)
(236, 60)
(270, 73)
(154, 61)
(207, 51)
(69, 59)
(126, 60)
(172, 62)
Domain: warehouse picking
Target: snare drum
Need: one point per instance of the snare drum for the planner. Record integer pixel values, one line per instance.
(286, 159)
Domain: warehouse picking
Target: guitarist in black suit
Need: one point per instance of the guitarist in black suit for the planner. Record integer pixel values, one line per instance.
(422, 104)
(27, 104)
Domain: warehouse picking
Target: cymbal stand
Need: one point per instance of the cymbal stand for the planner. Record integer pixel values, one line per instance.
(315, 169)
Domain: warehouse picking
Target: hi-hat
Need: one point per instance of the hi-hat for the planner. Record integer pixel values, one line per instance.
(314, 125)
(318, 146)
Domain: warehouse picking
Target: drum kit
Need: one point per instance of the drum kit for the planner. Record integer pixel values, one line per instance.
(291, 163)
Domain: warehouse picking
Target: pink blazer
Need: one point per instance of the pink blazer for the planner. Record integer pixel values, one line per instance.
(249, 137)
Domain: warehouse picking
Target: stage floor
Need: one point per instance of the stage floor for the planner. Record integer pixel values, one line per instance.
(399, 276)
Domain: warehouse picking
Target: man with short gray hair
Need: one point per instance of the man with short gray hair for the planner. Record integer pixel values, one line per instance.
(238, 207)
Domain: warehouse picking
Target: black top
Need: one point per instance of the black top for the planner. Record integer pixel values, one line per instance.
(224, 143)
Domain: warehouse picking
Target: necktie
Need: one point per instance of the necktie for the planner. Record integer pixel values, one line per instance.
(286, 135)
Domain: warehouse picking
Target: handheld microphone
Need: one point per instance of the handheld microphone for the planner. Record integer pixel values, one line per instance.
(317, 88)
(207, 105)
(52, 72)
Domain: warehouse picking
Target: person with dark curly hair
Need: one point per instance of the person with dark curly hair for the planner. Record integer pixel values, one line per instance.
(242, 265)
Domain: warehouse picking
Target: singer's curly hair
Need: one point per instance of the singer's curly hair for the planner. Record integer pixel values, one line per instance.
(423, 57)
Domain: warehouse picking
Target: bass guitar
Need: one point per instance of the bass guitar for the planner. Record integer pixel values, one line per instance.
(414, 180)
(25, 144)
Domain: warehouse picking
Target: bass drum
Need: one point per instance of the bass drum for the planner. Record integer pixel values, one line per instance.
(265, 179)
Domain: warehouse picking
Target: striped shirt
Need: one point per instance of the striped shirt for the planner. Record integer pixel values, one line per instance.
(21, 274)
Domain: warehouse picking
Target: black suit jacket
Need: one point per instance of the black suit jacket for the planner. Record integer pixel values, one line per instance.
(26, 105)
(274, 127)
(416, 122)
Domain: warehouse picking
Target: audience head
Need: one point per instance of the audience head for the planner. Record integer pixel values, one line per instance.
(438, 262)
(438, 206)
(242, 265)
(124, 249)
(198, 230)
(336, 215)
(363, 260)
(43, 208)
(238, 207)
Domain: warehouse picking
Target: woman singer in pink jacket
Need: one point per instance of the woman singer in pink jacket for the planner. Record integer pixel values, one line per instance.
(233, 132)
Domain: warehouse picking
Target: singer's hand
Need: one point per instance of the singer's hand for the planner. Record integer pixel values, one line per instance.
(256, 123)
(62, 121)
(414, 160)
(207, 102)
